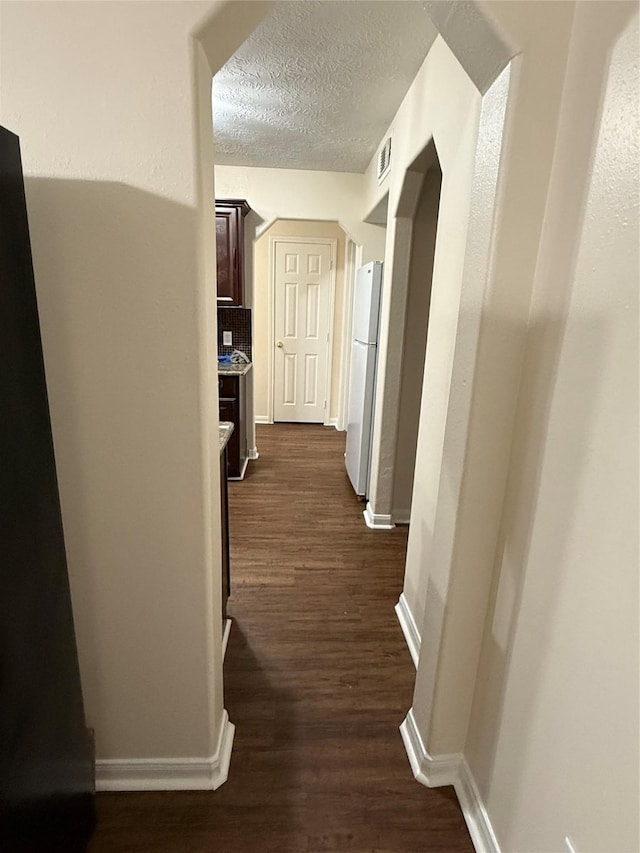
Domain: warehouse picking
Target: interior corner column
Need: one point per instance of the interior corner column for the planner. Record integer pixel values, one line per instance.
(392, 319)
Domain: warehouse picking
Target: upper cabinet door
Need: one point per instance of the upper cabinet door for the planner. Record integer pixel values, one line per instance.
(230, 250)
(229, 285)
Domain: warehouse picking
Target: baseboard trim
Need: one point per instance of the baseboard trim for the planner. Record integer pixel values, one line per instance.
(243, 471)
(432, 771)
(377, 521)
(409, 628)
(253, 454)
(262, 419)
(225, 636)
(451, 769)
(333, 422)
(170, 774)
(474, 811)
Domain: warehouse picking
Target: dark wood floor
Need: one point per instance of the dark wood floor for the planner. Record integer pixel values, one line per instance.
(317, 681)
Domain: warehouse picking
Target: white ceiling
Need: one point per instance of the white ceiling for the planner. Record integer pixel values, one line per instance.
(318, 83)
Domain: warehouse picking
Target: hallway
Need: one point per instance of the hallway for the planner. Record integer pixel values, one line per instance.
(317, 681)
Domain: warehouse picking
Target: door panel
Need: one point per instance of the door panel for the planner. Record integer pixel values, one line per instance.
(226, 245)
(290, 310)
(289, 395)
(302, 322)
(291, 263)
(230, 250)
(311, 380)
(313, 311)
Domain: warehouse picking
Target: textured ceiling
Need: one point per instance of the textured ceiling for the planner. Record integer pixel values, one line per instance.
(318, 83)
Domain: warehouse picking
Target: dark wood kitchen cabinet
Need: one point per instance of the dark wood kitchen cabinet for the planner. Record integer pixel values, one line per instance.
(224, 523)
(230, 214)
(232, 394)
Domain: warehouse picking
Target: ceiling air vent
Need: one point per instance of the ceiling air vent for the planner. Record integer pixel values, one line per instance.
(384, 160)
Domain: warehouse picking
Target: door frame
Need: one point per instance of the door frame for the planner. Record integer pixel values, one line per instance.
(333, 245)
(352, 262)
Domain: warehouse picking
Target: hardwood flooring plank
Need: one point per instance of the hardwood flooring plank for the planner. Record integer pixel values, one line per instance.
(317, 679)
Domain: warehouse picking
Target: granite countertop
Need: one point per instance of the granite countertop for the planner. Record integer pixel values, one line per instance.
(234, 369)
(226, 428)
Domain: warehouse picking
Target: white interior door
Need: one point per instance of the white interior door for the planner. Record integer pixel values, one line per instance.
(302, 287)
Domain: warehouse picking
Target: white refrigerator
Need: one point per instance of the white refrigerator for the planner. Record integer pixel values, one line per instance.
(362, 376)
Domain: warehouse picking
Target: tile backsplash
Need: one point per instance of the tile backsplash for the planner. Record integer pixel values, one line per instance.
(238, 322)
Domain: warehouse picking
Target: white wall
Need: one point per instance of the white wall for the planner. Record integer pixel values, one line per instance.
(107, 100)
(263, 310)
(553, 738)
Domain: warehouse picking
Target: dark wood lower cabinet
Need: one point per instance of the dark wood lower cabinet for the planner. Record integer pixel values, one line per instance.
(229, 412)
(224, 512)
(232, 393)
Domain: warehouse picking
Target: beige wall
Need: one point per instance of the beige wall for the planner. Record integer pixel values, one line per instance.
(487, 368)
(553, 739)
(472, 367)
(118, 222)
(512, 513)
(459, 307)
(263, 310)
(107, 100)
(292, 194)
(442, 107)
(297, 194)
(423, 244)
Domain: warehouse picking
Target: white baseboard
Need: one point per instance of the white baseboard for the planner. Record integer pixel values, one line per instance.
(243, 471)
(409, 628)
(225, 636)
(264, 419)
(169, 774)
(432, 771)
(253, 454)
(376, 521)
(452, 769)
(474, 811)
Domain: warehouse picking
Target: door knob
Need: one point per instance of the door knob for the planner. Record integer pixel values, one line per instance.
(279, 344)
